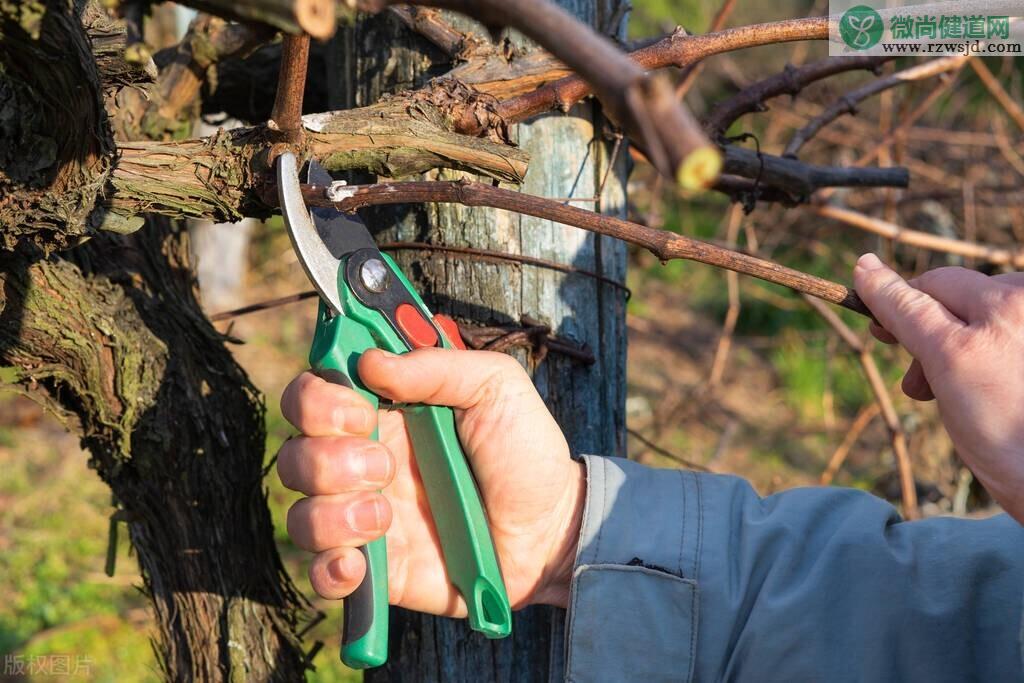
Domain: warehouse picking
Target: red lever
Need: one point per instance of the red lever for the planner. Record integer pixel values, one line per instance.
(451, 330)
(416, 328)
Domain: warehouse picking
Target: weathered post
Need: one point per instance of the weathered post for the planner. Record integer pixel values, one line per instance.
(569, 158)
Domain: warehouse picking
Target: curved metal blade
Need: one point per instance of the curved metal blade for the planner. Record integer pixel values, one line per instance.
(320, 264)
(342, 233)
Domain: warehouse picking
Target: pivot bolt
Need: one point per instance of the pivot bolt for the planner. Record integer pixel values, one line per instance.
(375, 275)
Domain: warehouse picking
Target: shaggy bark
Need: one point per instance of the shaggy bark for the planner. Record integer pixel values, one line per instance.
(63, 179)
(219, 178)
(49, 85)
(111, 334)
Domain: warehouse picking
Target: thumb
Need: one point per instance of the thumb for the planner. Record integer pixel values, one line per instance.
(919, 322)
(444, 377)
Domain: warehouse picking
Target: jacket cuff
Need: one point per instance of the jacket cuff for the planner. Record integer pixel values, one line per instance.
(634, 600)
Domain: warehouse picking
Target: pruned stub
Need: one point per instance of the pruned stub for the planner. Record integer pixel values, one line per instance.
(465, 109)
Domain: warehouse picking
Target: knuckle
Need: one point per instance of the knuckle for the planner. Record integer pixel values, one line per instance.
(506, 363)
(316, 524)
(297, 523)
(290, 397)
(906, 301)
(386, 511)
(875, 281)
(303, 464)
(319, 525)
(509, 372)
(314, 464)
(286, 463)
(320, 580)
(882, 286)
(323, 583)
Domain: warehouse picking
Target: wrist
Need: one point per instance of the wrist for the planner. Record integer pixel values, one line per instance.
(556, 582)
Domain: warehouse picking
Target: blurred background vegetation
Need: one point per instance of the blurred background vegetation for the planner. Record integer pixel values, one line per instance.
(786, 398)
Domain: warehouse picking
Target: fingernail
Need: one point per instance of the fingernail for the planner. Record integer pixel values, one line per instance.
(336, 570)
(365, 516)
(869, 262)
(353, 419)
(376, 465)
(342, 569)
(388, 354)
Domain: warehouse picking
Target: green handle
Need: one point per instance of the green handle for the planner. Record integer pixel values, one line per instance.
(337, 344)
(460, 519)
(455, 505)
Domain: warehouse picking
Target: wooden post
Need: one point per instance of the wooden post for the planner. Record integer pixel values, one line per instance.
(569, 157)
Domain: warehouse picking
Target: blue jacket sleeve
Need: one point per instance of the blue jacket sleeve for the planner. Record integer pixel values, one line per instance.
(683, 576)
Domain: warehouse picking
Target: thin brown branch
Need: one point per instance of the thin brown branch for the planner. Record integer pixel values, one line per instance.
(678, 50)
(479, 254)
(750, 176)
(429, 24)
(885, 405)
(531, 333)
(263, 306)
(286, 117)
(912, 117)
(847, 104)
(924, 240)
(665, 452)
(1006, 146)
(997, 90)
(791, 81)
(662, 243)
(491, 255)
(691, 72)
(800, 179)
(970, 217)
(860, 423)
(732, 315)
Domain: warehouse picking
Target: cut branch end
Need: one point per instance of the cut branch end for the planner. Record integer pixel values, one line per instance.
(318, 18)
(700, 169)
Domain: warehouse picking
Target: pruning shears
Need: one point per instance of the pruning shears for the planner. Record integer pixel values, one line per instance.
(367, 303)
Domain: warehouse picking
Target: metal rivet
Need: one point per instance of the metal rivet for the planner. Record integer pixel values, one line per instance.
(375, 275)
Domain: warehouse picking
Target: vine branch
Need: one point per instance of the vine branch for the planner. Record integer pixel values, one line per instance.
(662, 243)
(678, 49)
(999, 256)
(791, 81)
(847, 104)
(643, 105)
(897, 435)
(286, 116)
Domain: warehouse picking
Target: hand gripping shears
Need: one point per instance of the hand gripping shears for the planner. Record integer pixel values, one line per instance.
(367, 303)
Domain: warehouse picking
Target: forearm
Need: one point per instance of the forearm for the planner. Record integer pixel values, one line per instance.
(687, 575)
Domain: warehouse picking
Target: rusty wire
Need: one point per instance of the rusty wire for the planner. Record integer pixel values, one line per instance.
(490, 255)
